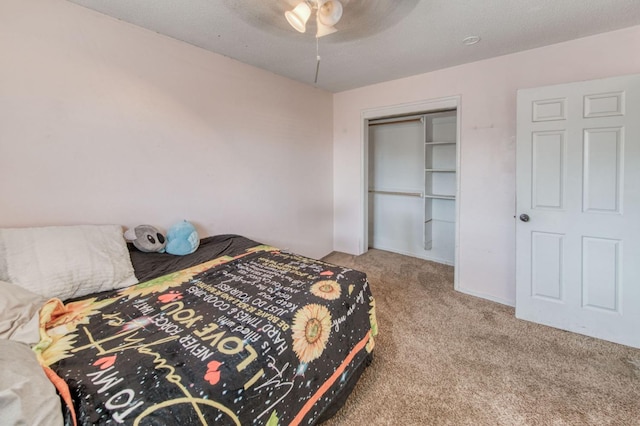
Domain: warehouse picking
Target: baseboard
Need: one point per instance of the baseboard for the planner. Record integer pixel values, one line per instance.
(419, 256)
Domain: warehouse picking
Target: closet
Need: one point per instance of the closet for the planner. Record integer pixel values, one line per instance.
(412, 182)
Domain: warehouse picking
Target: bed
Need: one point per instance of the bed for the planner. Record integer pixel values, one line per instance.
(236, 333)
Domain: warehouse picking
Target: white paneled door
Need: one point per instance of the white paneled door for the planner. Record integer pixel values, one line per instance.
(578, 208)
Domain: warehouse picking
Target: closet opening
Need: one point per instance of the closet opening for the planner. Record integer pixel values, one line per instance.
(411, 168)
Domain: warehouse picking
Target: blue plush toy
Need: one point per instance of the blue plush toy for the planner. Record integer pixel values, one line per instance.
(182, 238)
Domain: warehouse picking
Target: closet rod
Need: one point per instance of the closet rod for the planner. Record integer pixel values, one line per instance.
(395, 120)
(408, 194)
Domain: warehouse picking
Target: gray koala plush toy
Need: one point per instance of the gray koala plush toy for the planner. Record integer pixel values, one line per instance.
(146, 238)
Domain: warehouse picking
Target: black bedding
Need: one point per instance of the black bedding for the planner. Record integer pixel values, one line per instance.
(148, 266)
(254, 336)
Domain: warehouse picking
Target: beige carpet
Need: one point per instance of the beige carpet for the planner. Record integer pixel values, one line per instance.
(446, 358)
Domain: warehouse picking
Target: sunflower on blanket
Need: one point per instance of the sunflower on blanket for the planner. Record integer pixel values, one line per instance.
(310, 331)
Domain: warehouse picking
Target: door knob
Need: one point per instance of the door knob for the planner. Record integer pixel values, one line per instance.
(524, 217)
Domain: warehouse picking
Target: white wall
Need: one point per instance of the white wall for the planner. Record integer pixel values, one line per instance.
(488, 126)
(105, 122)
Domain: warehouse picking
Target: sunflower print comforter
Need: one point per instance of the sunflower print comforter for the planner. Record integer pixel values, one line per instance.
(263, 338)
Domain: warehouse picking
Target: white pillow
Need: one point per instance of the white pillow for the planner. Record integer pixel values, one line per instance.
(66, 261)
(19, 314)
(27, 397)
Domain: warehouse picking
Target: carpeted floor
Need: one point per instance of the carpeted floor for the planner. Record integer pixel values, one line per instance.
(446, 358)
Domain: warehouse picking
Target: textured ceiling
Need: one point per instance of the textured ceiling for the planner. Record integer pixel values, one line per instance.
(378, 40)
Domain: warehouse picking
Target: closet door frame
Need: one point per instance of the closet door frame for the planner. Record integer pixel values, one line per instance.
(415, 108)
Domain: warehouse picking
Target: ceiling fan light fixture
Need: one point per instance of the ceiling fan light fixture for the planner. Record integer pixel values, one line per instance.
(323, 29)
(329, 12)
(299, 16)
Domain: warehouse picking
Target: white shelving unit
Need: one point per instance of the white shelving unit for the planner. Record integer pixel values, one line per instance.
(440, 174)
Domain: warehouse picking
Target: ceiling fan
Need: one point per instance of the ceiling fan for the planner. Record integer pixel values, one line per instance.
(328, 14)
(361, 18)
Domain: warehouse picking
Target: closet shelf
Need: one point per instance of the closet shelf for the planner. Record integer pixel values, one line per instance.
(388, 192)
(440, 170)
